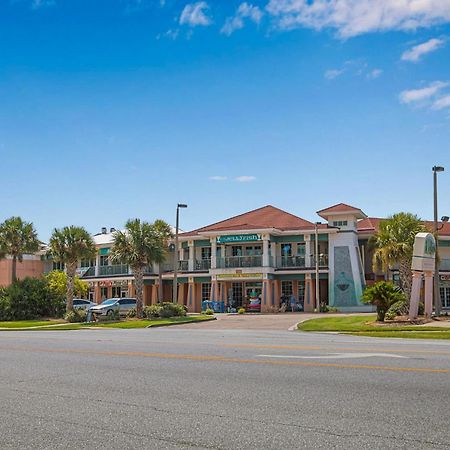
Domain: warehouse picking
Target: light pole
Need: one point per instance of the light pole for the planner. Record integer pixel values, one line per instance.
(175, 267)
(437, 297)
(316, 251)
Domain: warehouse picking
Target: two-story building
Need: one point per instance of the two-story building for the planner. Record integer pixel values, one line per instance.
(265, 253)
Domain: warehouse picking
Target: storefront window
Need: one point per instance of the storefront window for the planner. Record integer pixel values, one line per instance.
(301, 292)
(445, 296)
(237, 250)
(116, 291)
(206, 252)
(103, 293)
(286, 288)
(206, 291)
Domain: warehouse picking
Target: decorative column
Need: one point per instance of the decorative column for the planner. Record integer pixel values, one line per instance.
(266, 304)
(97, 264)
(273, 248)
(155, 288)
(265, 255)
(213, 253)
(214, 294)
(428, 294)
(180, 292)
(308, 258)
(415, 295)
(191, 296)
(309, 294)
(191, 262)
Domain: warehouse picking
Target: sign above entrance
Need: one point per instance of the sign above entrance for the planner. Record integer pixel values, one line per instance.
(238, 238)
(222, 276)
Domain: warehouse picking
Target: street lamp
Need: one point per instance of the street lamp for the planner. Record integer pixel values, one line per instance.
(175, 267)
(437, 297)
(316, 251)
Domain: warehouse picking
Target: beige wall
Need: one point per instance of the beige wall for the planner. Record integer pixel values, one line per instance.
(28, 268)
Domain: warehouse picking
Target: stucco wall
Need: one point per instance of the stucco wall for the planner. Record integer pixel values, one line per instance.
(28, 268)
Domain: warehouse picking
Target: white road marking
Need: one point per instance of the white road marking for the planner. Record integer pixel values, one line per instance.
(336, 356)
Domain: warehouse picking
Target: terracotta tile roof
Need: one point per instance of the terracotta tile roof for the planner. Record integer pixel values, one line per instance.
(339, 208)
(372, 224)
(265, 217)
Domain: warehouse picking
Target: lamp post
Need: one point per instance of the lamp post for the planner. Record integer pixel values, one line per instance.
(175, 266)
(316, 251)
(437, 297)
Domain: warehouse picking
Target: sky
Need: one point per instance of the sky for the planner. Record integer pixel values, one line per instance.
(116, 109)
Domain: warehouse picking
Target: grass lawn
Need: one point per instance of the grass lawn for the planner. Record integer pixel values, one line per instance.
(28, 323)
(40, 325)
(362, 325)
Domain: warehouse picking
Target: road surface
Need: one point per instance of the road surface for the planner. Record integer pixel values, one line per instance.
(194, 388)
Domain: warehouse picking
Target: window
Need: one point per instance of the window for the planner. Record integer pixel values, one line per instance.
(206, 291)
(104, 261)
(286, 288)
(237, 250)
(301, 292)
(58, 265)
(103, 293)
(340, 223)
(286, 249)
(206, 252)
(116, 291)
(301, 249)
(445, 296)
(87, 263)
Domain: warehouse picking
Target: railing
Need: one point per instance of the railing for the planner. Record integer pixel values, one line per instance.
(118, 269)
(202, 264)
(444, 264)
(291, 261)
(183, 265)
(90, 272)
(323, 261)
(239, 261)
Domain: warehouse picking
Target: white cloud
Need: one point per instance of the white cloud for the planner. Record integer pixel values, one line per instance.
(373, 74)
(416, 53)
(331, 74)
(244, 11)
(442, 103)
(245, 178)
(418, 95)
(355, 17)
(195, 14)
(218, 178)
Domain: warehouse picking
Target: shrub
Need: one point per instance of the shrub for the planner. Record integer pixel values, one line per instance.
(396, 309)
(208, 311)
(30, 298)
(241, 311)
(152, 312)
(77, 315)
(131, 313)
(383, 295)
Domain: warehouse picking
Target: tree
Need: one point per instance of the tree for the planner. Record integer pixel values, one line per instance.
(393, 244)
(69, 245)
(383, 294)
(139, 245)
(166, 234)
(17, 238)
(57, 282)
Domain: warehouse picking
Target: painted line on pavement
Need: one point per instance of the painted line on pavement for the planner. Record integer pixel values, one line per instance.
(336, 356)
(229, 360)
(345, 349)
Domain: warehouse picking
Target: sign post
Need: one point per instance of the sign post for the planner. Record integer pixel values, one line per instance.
(423, 261)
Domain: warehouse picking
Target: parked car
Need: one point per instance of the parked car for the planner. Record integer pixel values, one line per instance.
(82, 303)
(108, 306)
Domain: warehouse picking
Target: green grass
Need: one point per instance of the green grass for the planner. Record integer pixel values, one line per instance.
(28, 323)
(359, 324)
(126, 324)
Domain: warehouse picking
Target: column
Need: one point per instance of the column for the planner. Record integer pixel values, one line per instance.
(97, 293)
(266, 304)
(308, 258)
(309, 294)
(213, 253)
(265, 255)
(155, 299)
(180, 293)
(274, 247)
(191, 262)
(214, 295)
(415, 295)
(97, 264)
(191, 297)
(428, 294)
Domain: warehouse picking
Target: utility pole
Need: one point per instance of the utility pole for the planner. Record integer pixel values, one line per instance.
(176, 255)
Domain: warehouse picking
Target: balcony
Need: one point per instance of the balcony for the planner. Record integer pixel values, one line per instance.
(117, 269)
(233, 262)
(299, 262)
(183, 265)
(202, 265)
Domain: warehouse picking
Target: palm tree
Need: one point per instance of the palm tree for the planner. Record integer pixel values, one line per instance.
(393, 244)
(139, 245)
(16, 239)
(166, 233)
(68, 245)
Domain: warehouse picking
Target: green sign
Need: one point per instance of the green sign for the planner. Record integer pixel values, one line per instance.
(238, 238)
(103, 251)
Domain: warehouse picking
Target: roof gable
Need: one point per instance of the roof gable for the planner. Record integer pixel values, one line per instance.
(265, 217)
(341, 208)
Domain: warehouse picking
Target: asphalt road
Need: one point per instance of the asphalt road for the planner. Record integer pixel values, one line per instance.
(184, 388)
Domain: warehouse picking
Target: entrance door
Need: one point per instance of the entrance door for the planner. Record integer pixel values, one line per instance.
(253, 295)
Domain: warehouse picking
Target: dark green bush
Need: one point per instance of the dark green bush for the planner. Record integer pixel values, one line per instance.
(383, 295)
(165, 310)
(131, 313)
(152, 312)
(208, 311)
(396, 309)
(75, 316)
(30, 298)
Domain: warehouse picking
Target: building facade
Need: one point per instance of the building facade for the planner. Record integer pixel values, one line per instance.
(262, 260)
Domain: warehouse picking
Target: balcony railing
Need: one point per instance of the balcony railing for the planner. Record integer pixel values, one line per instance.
(299, 262)
(239, 261)
(117, 269)
(323, 261)
(90, 272)
(183, 265)
(202, 264)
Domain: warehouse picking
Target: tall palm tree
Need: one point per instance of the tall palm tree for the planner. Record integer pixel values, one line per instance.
(139, 245)
(16, 239)
(166, 233)
(68, 246)
(393, 244)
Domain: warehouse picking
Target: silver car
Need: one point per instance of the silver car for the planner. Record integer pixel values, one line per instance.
(110, 305)
(81, 303)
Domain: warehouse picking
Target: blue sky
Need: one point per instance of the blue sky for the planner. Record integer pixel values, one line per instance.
(111, 109)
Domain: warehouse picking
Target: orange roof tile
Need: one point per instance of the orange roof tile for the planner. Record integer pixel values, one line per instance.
(340, 208)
